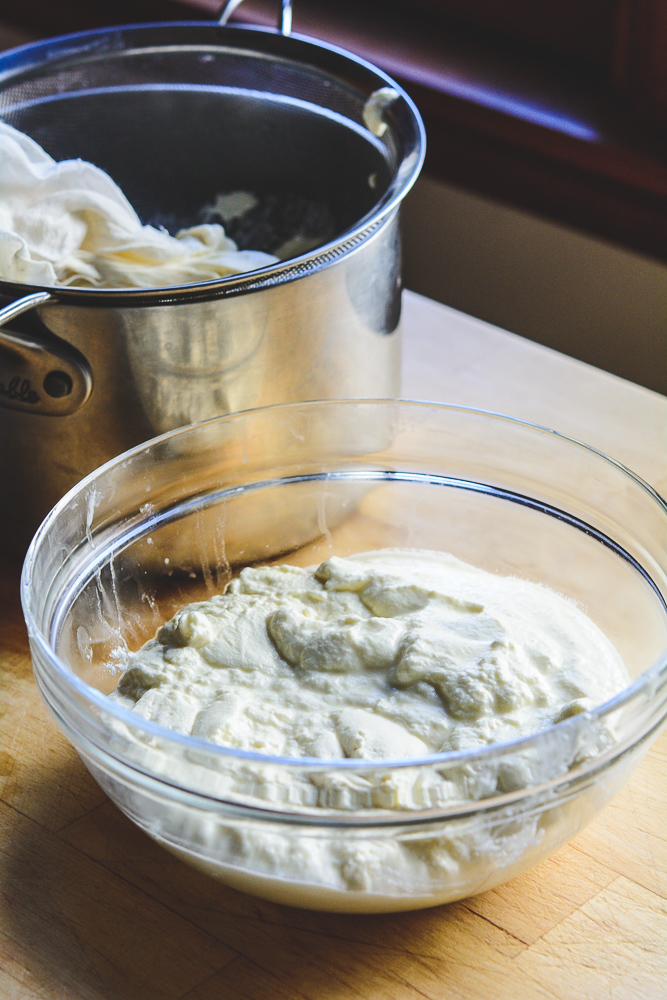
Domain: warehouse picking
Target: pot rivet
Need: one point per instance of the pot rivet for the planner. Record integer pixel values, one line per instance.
(57, 384)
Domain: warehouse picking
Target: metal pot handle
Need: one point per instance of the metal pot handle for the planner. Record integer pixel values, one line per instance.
(284, 23)
(40, 376)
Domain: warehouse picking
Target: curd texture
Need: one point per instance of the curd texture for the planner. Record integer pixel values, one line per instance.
(392, 655)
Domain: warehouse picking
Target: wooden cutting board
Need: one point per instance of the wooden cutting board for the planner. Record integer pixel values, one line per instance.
(91, 908)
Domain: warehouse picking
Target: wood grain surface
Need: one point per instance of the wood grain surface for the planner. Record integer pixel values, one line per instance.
(93, 909)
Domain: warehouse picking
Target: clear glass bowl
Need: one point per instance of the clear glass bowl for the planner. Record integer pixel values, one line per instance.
(175, 519)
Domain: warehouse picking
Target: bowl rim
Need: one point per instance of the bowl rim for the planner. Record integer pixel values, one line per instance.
(649, 678)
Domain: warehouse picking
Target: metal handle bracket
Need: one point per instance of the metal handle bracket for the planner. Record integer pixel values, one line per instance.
(38, 376)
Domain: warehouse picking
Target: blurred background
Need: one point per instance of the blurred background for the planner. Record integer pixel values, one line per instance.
(542, 207)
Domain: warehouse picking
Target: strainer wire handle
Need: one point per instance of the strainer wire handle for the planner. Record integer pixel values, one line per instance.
(284, 24)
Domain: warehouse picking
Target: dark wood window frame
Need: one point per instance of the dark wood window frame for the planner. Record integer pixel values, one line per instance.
(557, 107)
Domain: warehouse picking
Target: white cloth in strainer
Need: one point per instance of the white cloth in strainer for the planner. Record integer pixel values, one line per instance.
(68, 223)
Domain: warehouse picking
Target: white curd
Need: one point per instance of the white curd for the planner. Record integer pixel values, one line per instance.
(382, 656)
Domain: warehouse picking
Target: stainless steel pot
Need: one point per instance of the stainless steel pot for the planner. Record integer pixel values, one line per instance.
(177, 113)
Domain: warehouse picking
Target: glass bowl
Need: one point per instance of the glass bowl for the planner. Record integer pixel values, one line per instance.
(175, 519)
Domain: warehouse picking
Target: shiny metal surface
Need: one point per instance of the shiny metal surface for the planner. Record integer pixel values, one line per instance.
(321, 325)
(332, 333)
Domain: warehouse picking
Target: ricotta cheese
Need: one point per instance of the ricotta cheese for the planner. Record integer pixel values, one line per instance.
(392, 655)
(381, 656)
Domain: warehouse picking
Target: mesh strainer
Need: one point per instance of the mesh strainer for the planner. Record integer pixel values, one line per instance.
(178, 114)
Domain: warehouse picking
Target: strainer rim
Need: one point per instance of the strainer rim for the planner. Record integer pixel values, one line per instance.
(261, 278)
